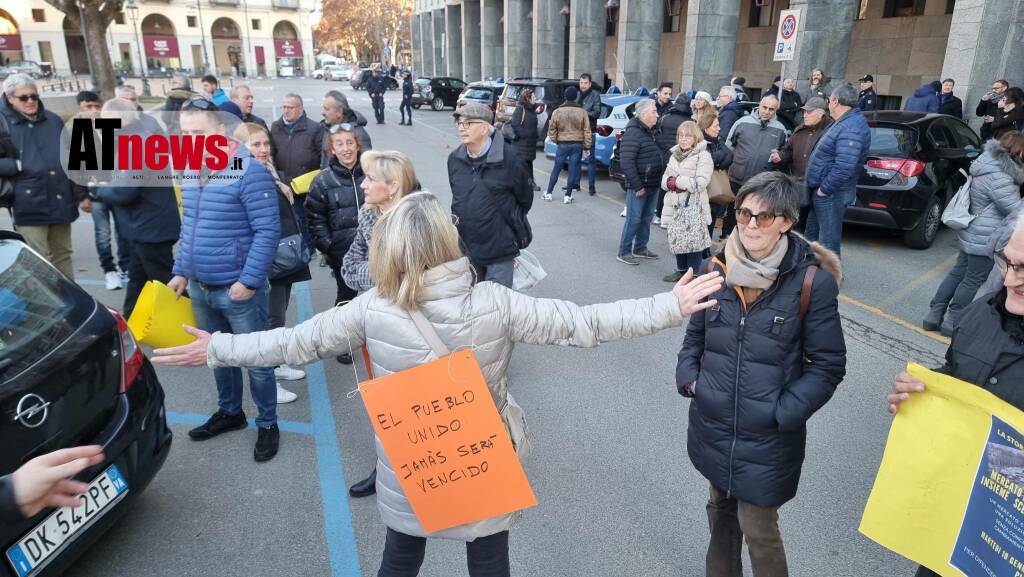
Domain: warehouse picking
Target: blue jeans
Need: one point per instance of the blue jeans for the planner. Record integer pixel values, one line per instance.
(690, 260)
(101, 217)
(825, 220)
(499, 272)
(592, 161)
(215, 311)
(574, 154)
(639, 214)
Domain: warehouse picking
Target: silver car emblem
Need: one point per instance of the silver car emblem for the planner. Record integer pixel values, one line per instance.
(32, 411)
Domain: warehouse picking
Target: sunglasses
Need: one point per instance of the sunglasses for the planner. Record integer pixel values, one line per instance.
(27, 97)
(344, 126)
(1004, 264)
(199, 104)
(743, 216)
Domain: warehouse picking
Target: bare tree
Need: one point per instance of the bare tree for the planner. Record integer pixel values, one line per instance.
(98, 16)
(365, 27)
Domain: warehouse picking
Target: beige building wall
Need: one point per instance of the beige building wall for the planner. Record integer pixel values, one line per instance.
(670, 68)
(611, 61)
(901, 53)
(754, 49)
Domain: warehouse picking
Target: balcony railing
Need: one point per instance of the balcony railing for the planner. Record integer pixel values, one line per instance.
(285, 4)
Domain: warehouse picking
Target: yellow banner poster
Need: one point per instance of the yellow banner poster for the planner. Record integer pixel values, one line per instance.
(950, 490)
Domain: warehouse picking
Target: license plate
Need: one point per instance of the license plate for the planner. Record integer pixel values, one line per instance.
(40, 545)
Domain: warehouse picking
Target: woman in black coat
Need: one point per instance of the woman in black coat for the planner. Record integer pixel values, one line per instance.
(524, 127)
(758, 364)
(721, 156)
(257, 139)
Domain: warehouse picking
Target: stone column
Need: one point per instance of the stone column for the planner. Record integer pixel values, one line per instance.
(492, 45)
(709, 54)
(985, 39)
(826, 27)
(518, 38)
(439, 40)
(417, 50)
(471, 42)
(639, 46)
(453, 49)
(548, 39)
(427, 41)
(587, 25)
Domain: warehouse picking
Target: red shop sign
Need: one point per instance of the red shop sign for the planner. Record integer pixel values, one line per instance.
(161, 46)
(287, 47)
(10, 42)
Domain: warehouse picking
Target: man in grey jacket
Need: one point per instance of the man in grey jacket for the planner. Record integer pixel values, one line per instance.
(753, 139)
(590, 99)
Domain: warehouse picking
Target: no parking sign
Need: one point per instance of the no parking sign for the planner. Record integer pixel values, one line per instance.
(785, 40)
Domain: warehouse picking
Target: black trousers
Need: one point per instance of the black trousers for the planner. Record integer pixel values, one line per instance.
(378, 107)
(345, 292)
(485, 557)
(406, 108)
(149, 261)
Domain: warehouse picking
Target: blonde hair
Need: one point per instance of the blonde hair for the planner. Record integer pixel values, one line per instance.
(247, 130)
(391, 166)
(411, 238)
(690, 127)
(705, 116)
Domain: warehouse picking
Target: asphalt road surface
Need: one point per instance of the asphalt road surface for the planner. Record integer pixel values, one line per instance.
(617, 494)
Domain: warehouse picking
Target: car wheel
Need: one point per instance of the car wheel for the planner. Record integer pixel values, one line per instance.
(416, 106)
(437, 103)
(923, 235)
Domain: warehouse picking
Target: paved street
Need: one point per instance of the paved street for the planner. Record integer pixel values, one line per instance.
(617, 494)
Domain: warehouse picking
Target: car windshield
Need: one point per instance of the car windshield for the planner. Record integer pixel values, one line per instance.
(423, 81)
(478, 94)
(37, 310)
(606, 111)
(513, 91)
(898, 141)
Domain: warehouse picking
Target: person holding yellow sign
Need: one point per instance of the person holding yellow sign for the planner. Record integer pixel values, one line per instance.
(421, 273)
(987, 348)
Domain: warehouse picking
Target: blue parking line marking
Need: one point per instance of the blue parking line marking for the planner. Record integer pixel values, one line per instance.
(341, 539)
(196, 419)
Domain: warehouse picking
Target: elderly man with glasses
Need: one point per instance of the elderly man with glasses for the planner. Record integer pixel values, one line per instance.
(491, 195)
(46, 200)
(298, 142)
(835, 166)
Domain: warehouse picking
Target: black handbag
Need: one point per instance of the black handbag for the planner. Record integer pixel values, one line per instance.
(292, 253)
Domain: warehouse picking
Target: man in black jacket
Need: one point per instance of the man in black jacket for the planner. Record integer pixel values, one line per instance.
(642, 164)
(868, 99)
(590, 100)
(241, 95)
(491, 195)
(406, 106)
(988, 105)
(375, 88)
(298, 148)
(948, 102)
(987, 349)
(790, 101)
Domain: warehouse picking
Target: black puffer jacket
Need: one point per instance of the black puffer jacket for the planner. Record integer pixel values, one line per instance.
(721, 154)
(754, 389)
(669, 124)
(640, 156)
(486, 193)
(524, 125)
(332, 209)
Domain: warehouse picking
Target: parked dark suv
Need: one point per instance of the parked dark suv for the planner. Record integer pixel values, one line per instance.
(71, 374)
(548, 92)
(913, 170)
(438, 92)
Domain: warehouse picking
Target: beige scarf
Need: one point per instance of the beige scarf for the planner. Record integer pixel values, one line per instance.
(285, 189)
(745, 272)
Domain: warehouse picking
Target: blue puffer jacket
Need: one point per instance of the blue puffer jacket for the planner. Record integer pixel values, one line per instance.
(925, 98)
(839, 157)
(231, 226)
(761, 373)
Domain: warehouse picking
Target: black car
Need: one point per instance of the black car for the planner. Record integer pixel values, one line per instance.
(438, 92)
(70, 374)
(359, 78)
(913, 170)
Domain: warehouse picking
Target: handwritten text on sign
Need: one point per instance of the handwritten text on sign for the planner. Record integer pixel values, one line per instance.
(446, 442)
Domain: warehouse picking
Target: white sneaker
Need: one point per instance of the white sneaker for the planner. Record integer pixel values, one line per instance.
(656, 221)
(113, 281)
(284, 395)
(623, 213)
(547, 196)
(566, 200)
(286, 373)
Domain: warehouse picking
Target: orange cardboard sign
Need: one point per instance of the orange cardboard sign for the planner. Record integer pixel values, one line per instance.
(447, 443)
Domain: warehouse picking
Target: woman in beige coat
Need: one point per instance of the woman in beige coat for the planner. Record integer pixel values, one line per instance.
(687, 210)
(418, 235)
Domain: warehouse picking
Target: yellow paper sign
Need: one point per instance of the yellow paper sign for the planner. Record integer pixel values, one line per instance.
(301, 183)
(950, 490)
(446, 442)
(157, 317)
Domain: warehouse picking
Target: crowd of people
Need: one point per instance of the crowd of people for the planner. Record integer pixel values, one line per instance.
(763, 305)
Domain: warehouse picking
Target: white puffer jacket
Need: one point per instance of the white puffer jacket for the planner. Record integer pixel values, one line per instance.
(486, 315)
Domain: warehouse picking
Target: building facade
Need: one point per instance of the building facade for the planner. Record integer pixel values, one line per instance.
(703, 43)
(224, 37)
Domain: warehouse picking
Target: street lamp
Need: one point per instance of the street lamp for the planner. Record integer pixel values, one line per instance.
(133, 13)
